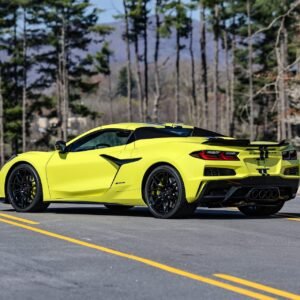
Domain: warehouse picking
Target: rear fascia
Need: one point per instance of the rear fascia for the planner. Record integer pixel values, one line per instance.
(234, 192)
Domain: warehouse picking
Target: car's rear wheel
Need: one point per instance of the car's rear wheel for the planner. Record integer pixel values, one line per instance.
(24, 189)
(118, 208)
(261, 211)
(164, 194)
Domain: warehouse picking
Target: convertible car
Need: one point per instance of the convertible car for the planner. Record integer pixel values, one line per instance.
(170, 168)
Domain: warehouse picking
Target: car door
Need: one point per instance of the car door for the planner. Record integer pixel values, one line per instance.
(82, 173)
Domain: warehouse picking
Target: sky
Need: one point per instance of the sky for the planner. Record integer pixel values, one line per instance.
(110, 7)
(115, 7)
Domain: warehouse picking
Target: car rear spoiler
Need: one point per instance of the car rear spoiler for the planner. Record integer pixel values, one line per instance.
(241, 143)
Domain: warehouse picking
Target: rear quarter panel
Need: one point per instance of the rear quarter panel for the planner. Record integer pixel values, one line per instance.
(172, 151)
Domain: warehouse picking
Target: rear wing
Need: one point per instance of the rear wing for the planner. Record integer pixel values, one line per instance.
(242, 143)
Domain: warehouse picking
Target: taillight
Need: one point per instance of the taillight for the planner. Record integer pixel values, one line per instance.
(289, 155)
(215, 155)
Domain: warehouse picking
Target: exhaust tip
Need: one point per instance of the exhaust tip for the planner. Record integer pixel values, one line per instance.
(263, 194)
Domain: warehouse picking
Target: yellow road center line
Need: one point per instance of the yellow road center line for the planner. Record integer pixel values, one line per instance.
(145, 261)
(289, 217)
(293, 219)
(19, 219)
(259, 286)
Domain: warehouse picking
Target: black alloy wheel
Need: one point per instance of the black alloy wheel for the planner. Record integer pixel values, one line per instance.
(164, 194)
(261, 211)
(24, 189)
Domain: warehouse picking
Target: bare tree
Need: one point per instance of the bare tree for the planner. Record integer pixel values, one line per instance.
(280, 82)
(204, 81)
(215, 107)
(284, 52)
(157, 96)
(177, 85)
(110, 94)
(128, 64)
(232, 78)
(24, 88)
(195, 116)
(145, 38)
(138, 76)
(250, 70)
(59, 88)
(134, 13)
(226, 120)
(64, 80)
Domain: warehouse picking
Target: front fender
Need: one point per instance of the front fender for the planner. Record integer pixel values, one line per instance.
(38, 160)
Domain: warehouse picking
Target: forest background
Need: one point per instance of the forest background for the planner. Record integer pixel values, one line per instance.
(69, 65)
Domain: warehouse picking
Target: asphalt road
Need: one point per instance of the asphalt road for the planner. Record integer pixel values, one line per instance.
(87, 252)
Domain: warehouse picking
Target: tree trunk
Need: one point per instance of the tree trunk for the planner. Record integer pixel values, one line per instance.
(177, 86)
(2, 158)
(59, 89)
(145, 37)
(281, 93)
(250, 70)
(195, 116)
(110, 94)
(157, 96)
(138, 77)
(128, 65)
(226, 116)
(204, 87)
(287, 101)
(227, 86)
(15, 59)
(232, 81)
(215, 108)
(24, 88)
(65, 99)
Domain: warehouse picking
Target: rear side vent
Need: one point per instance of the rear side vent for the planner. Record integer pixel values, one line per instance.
(294, 171)
(218, 172)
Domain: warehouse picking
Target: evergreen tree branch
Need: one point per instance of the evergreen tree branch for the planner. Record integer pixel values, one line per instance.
(286, 14)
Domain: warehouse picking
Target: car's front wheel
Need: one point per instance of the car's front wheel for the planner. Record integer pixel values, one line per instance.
(24, 189)
(164, 194)
(261, 211)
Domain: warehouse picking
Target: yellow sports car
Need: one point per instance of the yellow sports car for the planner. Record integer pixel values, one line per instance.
(170, 168)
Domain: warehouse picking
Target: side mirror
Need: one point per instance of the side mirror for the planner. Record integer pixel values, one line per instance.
(61, 146)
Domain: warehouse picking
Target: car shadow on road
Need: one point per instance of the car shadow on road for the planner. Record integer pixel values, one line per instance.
(96, 210)
(214, 214)
(224, 214)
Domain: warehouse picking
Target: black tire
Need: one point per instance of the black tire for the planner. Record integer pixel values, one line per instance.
(261, 211)
(164, 193)
(118, 208)
(24, 189)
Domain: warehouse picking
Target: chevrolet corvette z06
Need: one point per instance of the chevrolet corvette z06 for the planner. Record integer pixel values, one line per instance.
(170, 168)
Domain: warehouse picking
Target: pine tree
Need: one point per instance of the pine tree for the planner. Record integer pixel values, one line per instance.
(10, 74)
(69, 24)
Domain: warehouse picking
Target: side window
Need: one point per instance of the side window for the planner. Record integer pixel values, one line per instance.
(101, 139)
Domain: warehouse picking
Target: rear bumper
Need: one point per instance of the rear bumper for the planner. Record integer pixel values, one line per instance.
(222, 193)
